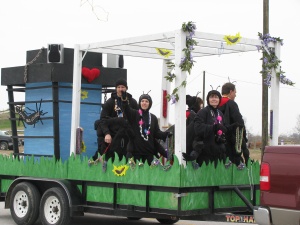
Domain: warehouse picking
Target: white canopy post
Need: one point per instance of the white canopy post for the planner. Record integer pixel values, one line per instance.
(165, 86)
(275, 100)
(180, 106)
(76, 94)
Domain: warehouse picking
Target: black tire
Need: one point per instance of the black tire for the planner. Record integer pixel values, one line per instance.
(54, 207)
(3, 145)
(168, 221)
(134, 218)
(24, 203)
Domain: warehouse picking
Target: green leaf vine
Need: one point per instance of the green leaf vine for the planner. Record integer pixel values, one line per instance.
(186, 63)
(271, 61)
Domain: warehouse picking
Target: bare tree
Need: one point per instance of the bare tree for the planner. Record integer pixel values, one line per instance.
(297, 127)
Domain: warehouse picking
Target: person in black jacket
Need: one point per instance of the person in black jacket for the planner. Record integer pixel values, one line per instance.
(232, 115)
(113, 130)
(210, 130)
(194, 105)
(144, 146)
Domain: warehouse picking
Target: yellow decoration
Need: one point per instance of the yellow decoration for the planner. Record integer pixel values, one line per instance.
(232, 40)
(164, 52)
(120, 170)
(83, 147)
(84, 95)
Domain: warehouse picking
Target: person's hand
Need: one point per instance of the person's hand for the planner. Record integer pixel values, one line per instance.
(219, 127)
(237, 125)
(107, 138)
(124, 96)
(216, 127)
(222, 128)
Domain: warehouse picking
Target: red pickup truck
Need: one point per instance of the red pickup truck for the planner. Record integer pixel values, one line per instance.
(279, 186)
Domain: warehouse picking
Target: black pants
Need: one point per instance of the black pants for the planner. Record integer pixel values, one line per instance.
(118, 145)
(236, 157)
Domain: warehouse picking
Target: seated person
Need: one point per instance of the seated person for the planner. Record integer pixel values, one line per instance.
(209, 129)
(194, 105)
(144, 146)
(112, 128)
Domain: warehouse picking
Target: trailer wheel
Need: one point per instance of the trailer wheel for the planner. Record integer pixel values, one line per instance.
(24, 203)
(134, 218)
(54, 207)
(168, 221)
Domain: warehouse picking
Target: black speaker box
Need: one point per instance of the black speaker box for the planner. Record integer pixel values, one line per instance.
(55, 53)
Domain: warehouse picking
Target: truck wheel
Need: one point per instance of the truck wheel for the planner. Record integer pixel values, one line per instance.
(24, 203)
(3, 145)
(168, 221)
(54, 207)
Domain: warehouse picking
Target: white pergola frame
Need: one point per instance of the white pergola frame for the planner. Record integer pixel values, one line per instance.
(145, 47)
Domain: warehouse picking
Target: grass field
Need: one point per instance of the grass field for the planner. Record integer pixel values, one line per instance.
(255, 154)
(5, 122)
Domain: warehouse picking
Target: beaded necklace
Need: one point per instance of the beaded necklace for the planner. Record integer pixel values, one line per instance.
(238, 139)
(218, 120)
(118, 109)
(141, 122)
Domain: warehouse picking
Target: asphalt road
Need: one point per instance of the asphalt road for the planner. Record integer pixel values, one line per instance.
(91, 219)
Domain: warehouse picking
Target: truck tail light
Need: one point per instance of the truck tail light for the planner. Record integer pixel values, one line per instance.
(265, 177)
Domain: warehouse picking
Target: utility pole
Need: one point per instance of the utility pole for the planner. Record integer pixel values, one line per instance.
(203, 94)
(265, 110)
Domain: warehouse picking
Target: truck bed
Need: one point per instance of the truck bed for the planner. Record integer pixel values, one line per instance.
(280, 203)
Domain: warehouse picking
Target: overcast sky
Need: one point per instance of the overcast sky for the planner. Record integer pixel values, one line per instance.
(32, 24)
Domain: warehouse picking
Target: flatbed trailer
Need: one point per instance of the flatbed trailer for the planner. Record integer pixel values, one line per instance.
(134, 194)
(54, 180)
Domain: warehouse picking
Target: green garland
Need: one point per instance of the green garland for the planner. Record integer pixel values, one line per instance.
(186, 63)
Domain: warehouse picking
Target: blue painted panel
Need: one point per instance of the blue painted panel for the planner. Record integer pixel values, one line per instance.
(65, 91)
(44, 127)
(65, 112)
(88, 114)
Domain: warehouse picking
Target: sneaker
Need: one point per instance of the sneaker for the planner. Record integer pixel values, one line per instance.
(91, 162)
(104, 166)
(227, 165)
(195, 165)
(155, 162)
(132, 163)
(241, 166)
(166, 167)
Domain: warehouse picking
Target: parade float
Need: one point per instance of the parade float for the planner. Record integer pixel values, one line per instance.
(54, 178)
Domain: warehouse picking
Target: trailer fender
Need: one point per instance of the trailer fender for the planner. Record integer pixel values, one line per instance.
(71, 190)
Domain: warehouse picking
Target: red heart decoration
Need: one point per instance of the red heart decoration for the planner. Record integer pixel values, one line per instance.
(90, 74)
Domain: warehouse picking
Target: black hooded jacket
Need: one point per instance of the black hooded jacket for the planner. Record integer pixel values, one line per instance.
(139, 145)
(204, 131)
(232, 116)
(118, 127)
(109, 112)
